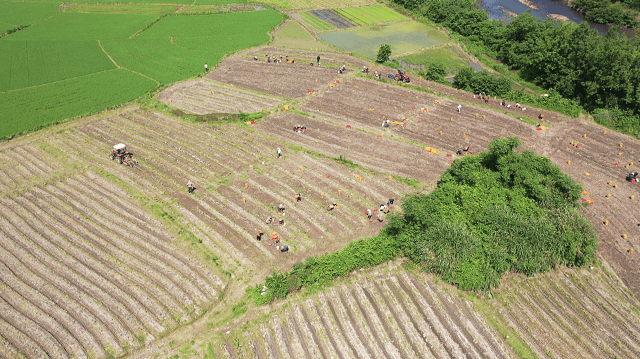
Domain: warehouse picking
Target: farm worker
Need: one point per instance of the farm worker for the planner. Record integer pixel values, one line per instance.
(281, 208)
(318, 60)
(285, 248)
(486, 99)
(385, 124)
(268, 58)
(286, 58)
(190, 186)
(331, 207)
(459, 108)
(268, 220)
(206, 67)
(518, 105)
(390, 202)
(369, 213)
(279, 152)
(255, 58)
(259, 235)
(276, 238)
(298, 197)
(381, 207)
(380, 216)
(281, 221)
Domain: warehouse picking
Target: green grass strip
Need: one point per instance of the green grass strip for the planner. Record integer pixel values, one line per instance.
(313, 21)
(383, 13)
(368, 19)
(319, 22)
(349, 16)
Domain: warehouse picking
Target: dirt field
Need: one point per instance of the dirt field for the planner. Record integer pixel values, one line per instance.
(387, 312)
(103, 259)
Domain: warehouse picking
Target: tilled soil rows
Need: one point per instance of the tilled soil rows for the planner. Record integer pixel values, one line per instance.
(203, 96)
(283, 79)
(98, 258)
(380, 315)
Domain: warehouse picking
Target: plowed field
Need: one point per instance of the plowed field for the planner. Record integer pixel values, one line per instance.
(102, 259)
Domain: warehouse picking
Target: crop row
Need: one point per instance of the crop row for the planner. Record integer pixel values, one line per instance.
(349, 16)
(361, 15)
(316, 22)
(389, 316)
(90, 273)
(204, 96)
(382, 12)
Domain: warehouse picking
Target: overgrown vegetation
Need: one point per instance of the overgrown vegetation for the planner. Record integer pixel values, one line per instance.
(621, 13)
(482, 81)
(383, 53)
(493, 213)
(496, 212)
(597, 71)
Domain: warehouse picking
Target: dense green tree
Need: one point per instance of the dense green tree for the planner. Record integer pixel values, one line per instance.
(383, 53)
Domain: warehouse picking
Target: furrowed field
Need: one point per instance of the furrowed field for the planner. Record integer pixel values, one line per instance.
(54, 61)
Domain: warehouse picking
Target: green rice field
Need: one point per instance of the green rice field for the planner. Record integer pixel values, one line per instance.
(94, 56)
(316, 22)
(293, 36)
(36, 107)
(402, 36)
(314, 4)
(178, 46)
(14, 14)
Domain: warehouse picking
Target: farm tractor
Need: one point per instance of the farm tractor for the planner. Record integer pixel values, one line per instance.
(120, 154)
(402, 76)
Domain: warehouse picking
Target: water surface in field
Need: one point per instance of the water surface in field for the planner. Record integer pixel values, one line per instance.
(402, 36)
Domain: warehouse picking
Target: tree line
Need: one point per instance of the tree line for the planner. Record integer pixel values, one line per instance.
(602, 72)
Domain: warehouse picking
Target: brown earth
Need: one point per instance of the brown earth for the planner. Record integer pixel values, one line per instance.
(101, 257)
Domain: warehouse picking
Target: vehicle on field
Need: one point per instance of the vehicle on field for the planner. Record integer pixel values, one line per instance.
(120, 154)
(402, 76)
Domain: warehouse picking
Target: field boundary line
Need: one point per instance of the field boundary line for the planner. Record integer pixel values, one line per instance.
(53, 82)
(143, 75)
(109, 56)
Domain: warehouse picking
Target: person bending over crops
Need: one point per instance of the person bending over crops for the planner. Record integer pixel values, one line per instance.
(190, 187)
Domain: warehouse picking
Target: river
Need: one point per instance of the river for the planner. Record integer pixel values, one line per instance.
(496, 8)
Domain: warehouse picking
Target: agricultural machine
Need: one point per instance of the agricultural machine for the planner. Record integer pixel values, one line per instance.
(402, 76)
(120, 154)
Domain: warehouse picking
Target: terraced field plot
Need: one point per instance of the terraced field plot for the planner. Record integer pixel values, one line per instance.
(393, 315)
(315, 4)
(283, 79)
(104, 41)
(14, 14)
(204, 96)
(403, 37)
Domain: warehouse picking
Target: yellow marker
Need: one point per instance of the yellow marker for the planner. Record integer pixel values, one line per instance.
(451, 118)
(615, 186)
(633, 196)
(416, 96)
(246, 185)
(606, 223)
(585, 135)
(339, 193)
(476, 115)
(395, 108)
(427, 148)
(568, 162)
(608, 195)
(605, 132)
(302, 170)
(587, 173)
(584, 192)
(170, 100)
(360, 179)
(322, 195)
(433, 150)
(621, 145)
(390, 177)
(484, 116)
(357, 87)
(316, 142)
(610, 183)
(619, 153)
(624, 236)
(466, 139)
(244, 200)
(464, 133)
(525, 137)
(440, 132)
(286, 107)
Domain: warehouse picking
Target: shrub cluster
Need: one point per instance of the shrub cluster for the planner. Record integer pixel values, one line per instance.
(496, 212)
(482, 81)
(319, 270)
